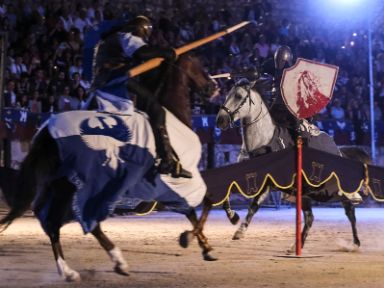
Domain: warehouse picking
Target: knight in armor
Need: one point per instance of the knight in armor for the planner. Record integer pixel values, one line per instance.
(283, 59)
(119, 50)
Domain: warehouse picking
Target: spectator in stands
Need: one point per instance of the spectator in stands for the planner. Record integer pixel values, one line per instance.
(66, 101)
(34, 104)
(77, 67)
(18, 67)
(34, 62)
(358, 117)
(10, 97)
(38, 81)
(50, 105)
(81, 96)
(58, 83)
(234, 48)
(337, 111)
(75, 81)
(95, 11)
(81, 22)
(65, 18)
(58, 33)
(263, 47)
(23, 86)
(74, 42)
(84, 82)
(24, 102)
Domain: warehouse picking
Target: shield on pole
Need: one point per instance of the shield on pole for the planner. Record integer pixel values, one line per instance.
(307, 87)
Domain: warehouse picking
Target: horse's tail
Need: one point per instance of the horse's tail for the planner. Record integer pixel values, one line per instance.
(39, 161)
(8, 178)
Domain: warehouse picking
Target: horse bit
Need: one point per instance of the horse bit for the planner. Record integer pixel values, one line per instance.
(232, 113)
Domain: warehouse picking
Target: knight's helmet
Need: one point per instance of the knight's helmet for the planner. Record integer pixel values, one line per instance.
(140, 26)
(283, 57)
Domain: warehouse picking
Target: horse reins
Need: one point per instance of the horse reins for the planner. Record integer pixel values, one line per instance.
(232, 113)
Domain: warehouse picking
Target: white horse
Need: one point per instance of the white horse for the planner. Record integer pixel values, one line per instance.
(261, 135)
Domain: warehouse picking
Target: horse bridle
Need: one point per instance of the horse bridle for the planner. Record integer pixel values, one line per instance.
(207, 90)
(233, 113)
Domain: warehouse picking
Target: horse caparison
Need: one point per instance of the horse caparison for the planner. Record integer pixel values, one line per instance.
(43, 161)
(244, 103)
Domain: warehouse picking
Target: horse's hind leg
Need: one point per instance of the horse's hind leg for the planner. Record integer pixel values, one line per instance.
(121, 266)
(308, 221)
(64, 270)
(350, 212)
(59, 208)
(252, 209)
(231, 214)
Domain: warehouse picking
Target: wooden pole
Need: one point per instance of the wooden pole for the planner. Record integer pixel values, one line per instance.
(299, 144)
(153, 63)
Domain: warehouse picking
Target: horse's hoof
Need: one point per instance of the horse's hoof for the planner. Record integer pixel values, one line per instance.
(238, 235)
(235, 219)
(356, 247)
(121, 270)
(208, 257)
(291, 249)
(186, 238)
(73, 276)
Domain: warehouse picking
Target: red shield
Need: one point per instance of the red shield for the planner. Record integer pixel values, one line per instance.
(307, 87)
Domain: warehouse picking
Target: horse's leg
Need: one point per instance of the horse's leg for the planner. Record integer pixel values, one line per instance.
(308, 221)
(61, 192)
(59, 207)
(121, 266)
(231, 214)
(308, 218)
(252, 209)
(64, 270)
(198, 225)
(350, 212)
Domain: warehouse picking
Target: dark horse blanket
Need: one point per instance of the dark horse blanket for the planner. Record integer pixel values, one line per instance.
(312, 135)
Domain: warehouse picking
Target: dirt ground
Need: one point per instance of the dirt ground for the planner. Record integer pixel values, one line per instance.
(150, 245)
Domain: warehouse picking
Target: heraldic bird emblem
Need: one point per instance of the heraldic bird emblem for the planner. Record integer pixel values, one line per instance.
(106, 132)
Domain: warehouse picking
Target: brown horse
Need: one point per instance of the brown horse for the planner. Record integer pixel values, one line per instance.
(41, 181)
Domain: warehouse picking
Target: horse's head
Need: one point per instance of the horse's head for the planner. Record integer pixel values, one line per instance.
(240, 102)
(193, 72)
(187, 75)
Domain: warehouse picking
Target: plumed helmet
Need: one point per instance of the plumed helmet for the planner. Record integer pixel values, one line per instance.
(140, 26)
(282, 57)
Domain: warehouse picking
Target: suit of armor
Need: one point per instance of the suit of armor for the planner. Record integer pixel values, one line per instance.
(117, 52)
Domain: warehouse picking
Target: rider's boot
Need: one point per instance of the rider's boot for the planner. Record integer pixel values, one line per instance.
(170, 163)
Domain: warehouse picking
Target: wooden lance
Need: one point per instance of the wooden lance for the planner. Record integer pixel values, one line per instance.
(153, 63)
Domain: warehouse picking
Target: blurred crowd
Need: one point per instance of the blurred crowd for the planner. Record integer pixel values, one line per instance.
(44, 67)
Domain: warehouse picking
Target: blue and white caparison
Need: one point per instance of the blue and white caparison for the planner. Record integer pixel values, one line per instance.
(107, 156)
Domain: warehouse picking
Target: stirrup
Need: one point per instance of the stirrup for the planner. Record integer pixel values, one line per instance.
(174, 168)
(180, 172)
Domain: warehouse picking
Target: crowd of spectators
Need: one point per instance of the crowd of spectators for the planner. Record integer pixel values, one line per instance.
(44, 71)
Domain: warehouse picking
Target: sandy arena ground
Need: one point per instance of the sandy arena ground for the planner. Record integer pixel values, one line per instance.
(150, 245)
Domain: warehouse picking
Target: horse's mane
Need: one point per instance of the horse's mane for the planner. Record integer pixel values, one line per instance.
(176, 93)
